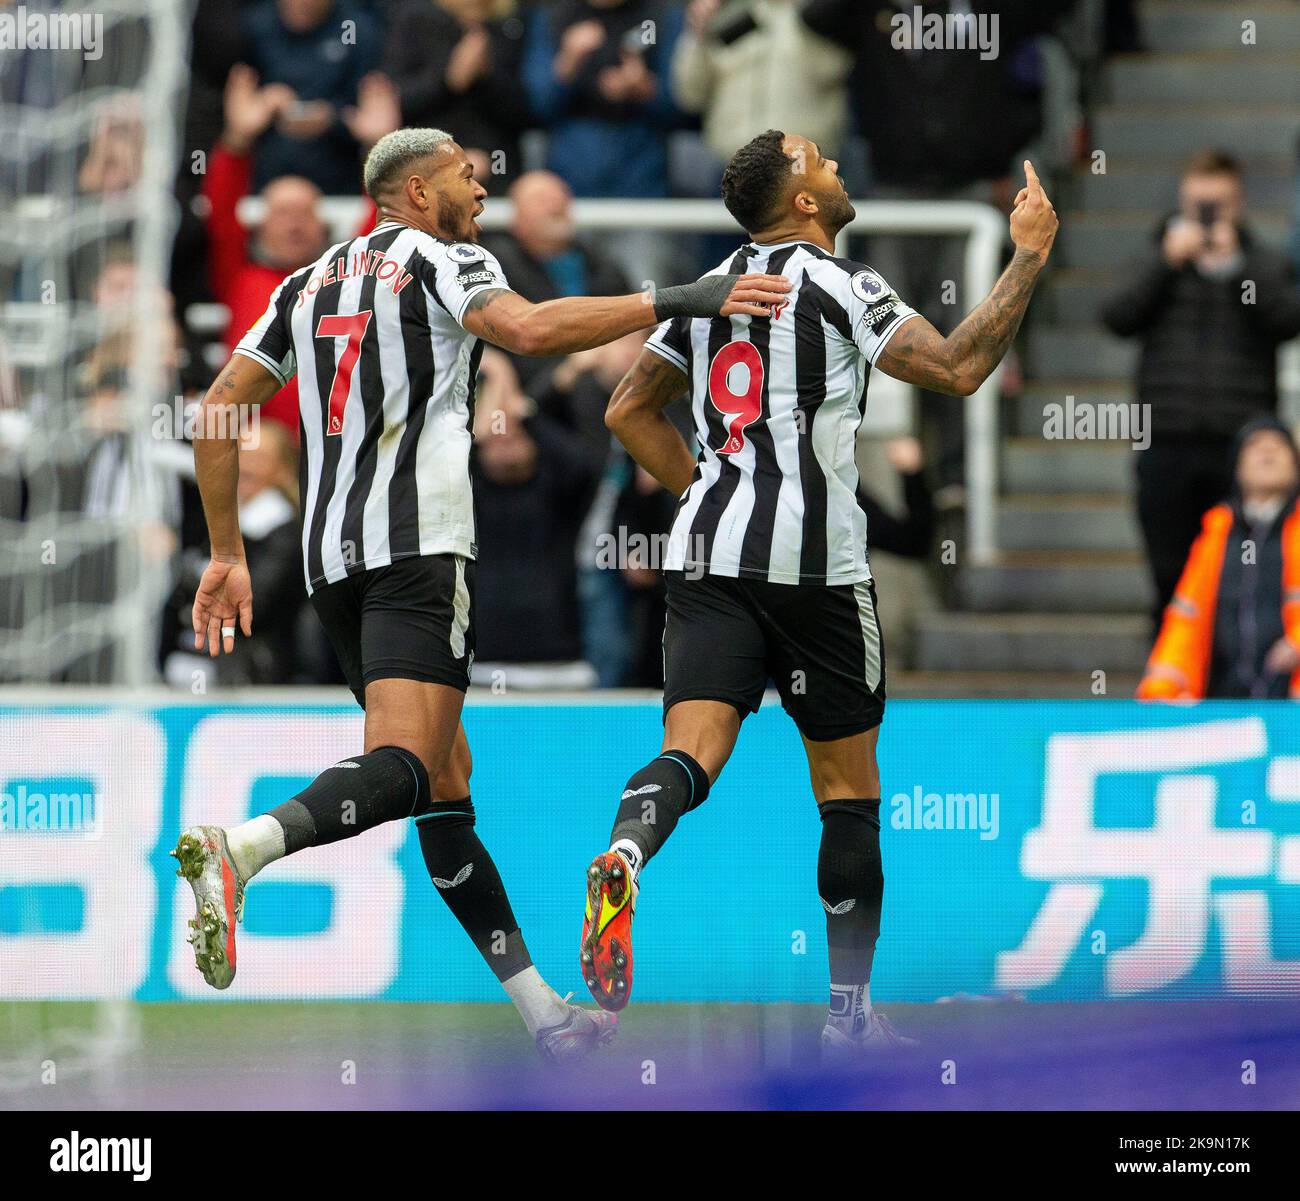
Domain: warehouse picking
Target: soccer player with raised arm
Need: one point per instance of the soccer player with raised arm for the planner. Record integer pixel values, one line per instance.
(384, 334)
(766, 565)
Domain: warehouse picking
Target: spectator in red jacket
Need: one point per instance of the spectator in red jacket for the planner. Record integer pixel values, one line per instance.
(244, 270)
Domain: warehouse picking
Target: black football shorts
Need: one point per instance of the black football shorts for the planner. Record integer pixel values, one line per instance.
(410, 620)
(820, 645)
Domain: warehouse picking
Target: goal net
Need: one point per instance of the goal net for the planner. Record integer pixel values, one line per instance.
(90, 105)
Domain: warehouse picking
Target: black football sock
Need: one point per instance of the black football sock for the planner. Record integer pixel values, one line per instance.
(467, 879)
(653, 801)
(354, 795)
(851, 883)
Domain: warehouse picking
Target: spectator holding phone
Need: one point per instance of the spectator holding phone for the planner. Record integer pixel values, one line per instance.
(1210, 305)
(320, 51)
(597, 77)
(456, 65)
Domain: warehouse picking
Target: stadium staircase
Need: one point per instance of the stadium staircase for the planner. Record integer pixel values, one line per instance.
(1068, 594)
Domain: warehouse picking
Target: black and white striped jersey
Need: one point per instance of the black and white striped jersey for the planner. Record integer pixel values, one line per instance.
(777, 403)
(385, 392)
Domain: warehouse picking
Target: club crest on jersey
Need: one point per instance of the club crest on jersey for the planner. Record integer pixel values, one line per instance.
(868, 287)
(465, 252)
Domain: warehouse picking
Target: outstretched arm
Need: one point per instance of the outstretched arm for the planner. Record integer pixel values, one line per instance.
(225, 590)
(636, 417)
(575, 323)
(958, 364)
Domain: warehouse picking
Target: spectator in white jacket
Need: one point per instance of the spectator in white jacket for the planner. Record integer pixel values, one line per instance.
(755, 65)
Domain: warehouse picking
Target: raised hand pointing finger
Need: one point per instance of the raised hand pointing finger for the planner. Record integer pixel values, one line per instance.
(1032, 181)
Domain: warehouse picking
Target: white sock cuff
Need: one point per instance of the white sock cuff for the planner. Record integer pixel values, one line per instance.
(537, 1002)
(257, 842)
(632, 853)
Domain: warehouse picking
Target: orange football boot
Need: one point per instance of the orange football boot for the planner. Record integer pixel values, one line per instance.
(607, 931)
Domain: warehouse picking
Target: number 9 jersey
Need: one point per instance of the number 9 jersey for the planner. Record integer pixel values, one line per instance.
(777, 404)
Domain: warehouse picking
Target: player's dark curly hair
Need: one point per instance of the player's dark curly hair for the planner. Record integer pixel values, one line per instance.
(755, 181)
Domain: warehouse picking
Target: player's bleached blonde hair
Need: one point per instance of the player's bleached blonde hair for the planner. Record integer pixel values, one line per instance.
(396, 151)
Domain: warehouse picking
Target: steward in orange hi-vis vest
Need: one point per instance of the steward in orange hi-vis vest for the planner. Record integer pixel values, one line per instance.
(1233, 626)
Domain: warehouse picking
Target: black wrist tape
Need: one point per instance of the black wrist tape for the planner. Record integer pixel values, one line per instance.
(704, 298)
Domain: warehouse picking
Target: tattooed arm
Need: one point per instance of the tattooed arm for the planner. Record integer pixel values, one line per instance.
(575, 323)
(958, 364)
(961, 362)
(636, 416)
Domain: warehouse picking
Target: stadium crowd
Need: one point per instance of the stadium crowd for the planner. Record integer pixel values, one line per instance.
(636, 99)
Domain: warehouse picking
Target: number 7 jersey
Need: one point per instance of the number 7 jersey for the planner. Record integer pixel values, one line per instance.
(386, 372)
(777, 403)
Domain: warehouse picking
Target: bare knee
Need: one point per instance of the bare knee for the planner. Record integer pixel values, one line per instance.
(452, 782)
(844, 769)
(418, 717)
(833, 785)
(705, 730)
